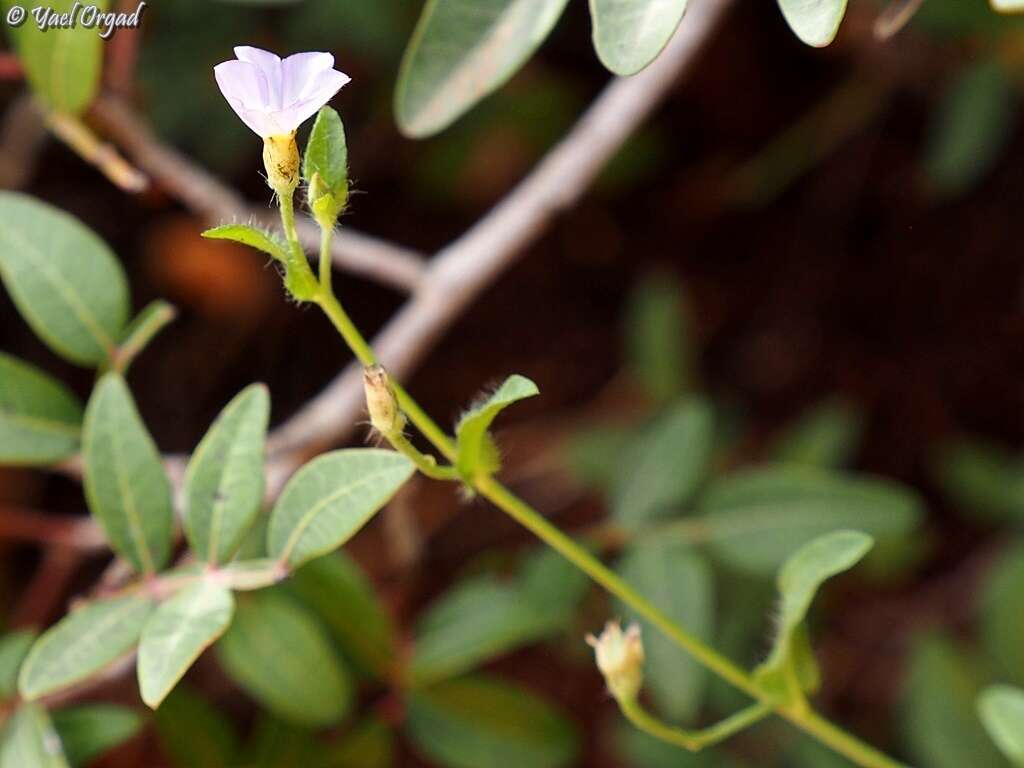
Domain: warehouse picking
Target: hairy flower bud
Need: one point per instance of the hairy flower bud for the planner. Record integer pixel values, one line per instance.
(385, 415)
(281, 159)
(620, 657)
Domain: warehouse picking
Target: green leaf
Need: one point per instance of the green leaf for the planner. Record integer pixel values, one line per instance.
(1001, 708)
(141, 331)
(476, 452)
(330, 499)
(656, 325)
(276, 744)
(177, 633)
(224, 479)
(369, 744)
(815, 22)
(754, 520)
(125, 484)
(82, 643)
(825, 436)
(89, 730)
(337, 590)
(253, 237)
(479, 721)
(593, 454)
(29, 740)
(663, 467)
(552, 586)
(63, 279)
(799, 581)
(40, 420)
(327, 152)
(246, 575)
(281, 656)
(1002, 620)
(971, 128)
(14, 647)
(629, 34)
(472, 623)
(941, 725)
(194, 733)
(463, 50)
(63, 66)
(679, 582)
(983, 479)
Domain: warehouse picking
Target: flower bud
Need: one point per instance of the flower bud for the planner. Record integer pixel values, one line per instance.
(385, 416)
(620, 657)
(281, 160)
(325, 203)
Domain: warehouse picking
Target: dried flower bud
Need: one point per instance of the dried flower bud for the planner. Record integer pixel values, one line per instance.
(620, 657)
(281, 160)
(381, 402)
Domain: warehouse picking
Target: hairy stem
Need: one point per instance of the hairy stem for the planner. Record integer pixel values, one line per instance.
(694, 741)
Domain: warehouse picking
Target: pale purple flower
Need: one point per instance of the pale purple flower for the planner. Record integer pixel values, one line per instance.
(274, 96)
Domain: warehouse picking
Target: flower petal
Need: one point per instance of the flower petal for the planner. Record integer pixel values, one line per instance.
(244, 87)
(327, 84)
(299, 72)
(270, 65)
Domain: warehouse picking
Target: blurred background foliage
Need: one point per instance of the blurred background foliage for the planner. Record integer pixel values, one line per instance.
(799, 282)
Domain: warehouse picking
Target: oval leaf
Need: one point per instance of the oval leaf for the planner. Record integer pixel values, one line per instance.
(14, 647)
(64, 279)
(678, 581)
(278, 653)
(224, 479)
(629, 34)
(1001, 708)
(82, 643)
(755, 520)
(1002, 620)
(461, 51)
(62, 65)
(193, 732)
(478, 721)
(90, 730)
(40, 420)
(815, 22)
(251, 236)
(177, 632)
(125, 484)
(330, 499)
(471, 624)
(663, 467)
(476, 453)
(327, 152)
(30, 740)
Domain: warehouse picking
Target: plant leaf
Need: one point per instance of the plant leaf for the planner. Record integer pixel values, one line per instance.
(177, 633)
(330, 499)
(799, 580)
(756, 519)
(253, 237)
(815, 22)
(338, 591)
(281, 656)
(656, 324)
(473, 622)
(984, 480)
(82, 643)
(327, 152)
(125, 484)
(369, 744)
(224, 479)
(629, 34)
(29, 740)
(941, 723)
(89, 730)
(1002, 620)
(40, 420)
(14, 647)
(480, 721)
(552, 586)
(663, 467)
(63, 66)
(679, 582)
(1001, 708)
(825, 436)
(194, 733)
(141, 331)
(463, 50)
(63, 279)
(475, 453)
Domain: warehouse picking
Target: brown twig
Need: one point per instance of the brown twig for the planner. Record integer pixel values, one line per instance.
(21, 524)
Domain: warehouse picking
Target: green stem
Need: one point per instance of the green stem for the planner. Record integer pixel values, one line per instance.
(326, 233)
(424, 463)
(694, 741)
